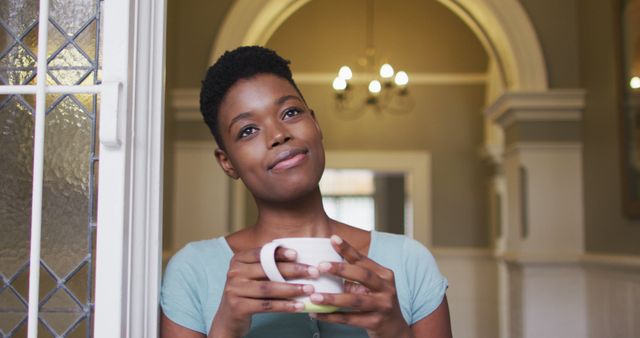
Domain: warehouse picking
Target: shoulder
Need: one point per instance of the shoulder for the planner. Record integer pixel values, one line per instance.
(198, 259)
(384, 241)
(192, 281)
(195, 252)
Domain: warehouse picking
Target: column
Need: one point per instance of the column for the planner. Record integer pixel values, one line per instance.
(542, 231)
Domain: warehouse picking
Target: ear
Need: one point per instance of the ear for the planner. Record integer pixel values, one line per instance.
(225, 164)
(315, 119)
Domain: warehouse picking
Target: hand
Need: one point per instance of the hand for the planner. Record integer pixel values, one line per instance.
(370, 291)
(248, 291)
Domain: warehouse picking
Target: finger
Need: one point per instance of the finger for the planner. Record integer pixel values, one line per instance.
(345, 249)
(352, 256)
(358, 302)
(288, 270)
(355, 273)
(352, 287)
(286, 255)
(268, 290)
(251, 306)
(253, 255)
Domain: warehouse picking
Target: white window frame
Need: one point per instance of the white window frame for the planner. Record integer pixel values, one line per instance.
(129, 229)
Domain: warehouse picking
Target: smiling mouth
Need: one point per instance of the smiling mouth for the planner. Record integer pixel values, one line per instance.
(288, 159)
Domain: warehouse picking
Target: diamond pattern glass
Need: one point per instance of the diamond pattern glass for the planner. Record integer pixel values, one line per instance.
(16, 157)
(18, 15)
(72, 15)
(66, 188)
(17, 66)
(70, 172)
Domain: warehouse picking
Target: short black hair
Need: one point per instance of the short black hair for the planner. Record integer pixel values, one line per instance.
(241, 63)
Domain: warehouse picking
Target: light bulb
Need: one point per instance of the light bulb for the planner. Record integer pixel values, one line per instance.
(375, 87)
(345, 73)
(402, 78)
(386, 71)
(339, 84)
(635, 82)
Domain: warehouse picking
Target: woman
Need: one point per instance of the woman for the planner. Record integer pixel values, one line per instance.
(269, 138)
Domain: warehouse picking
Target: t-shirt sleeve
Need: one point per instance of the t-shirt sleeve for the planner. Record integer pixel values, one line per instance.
(427, 284)
(179, 294)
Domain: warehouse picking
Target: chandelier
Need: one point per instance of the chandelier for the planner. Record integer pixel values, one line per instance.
(387, 89)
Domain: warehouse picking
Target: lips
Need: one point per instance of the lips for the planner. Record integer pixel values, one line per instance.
(288, 158)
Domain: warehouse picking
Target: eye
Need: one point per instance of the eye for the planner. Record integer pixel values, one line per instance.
(291, 112)
(247, 131)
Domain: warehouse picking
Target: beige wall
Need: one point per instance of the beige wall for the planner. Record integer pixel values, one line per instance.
(556, 23)
(578, 41)
(418, 36)
(606, 228)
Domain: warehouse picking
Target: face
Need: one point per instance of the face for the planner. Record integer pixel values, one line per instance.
(272, 139)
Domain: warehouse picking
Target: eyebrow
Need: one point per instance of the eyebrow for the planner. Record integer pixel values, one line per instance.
(247, 115)
(239, 117)
(286, 98)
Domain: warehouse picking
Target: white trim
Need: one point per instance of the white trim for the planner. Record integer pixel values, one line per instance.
(502, 26)
(612, 261)
(31, 89)
(185, 102)
(518, 147)
(552, 105)
(505, 30)
(113, 199)
(540, 258)
(627, 262)
(128, 252)
(251, 22)
(38, 175)
(468, 252)
(145, 229)
(303, 78)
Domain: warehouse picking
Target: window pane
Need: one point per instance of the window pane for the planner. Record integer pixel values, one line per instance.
(16, 158)
(347, 182)
(70, 167)
(356, 211)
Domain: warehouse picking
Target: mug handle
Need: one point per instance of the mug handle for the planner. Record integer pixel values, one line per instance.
(268, 262)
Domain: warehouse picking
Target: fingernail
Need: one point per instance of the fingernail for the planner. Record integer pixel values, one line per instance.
(336, 239)
(291, 254)
(313, 272)
(299, 306)
(324, 266)
(316, 298)
(308, 289)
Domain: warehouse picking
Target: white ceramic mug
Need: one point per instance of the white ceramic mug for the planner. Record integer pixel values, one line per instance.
(311, 251)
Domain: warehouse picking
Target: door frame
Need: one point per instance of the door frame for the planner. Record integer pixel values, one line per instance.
(129, 230)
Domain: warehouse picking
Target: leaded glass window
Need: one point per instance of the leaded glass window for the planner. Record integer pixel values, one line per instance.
(70, 166)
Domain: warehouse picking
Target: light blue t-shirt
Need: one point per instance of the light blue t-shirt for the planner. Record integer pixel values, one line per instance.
(195, 277)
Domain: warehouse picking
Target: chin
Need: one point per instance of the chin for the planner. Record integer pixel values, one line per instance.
(291, 193)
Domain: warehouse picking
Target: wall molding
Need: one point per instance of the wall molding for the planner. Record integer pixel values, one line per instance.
(516, 148)
(627, 262)
(415, 79)
(502, 26)
(544, 106)
(185, 102)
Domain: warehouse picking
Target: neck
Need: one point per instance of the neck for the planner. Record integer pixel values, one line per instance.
(303, 217)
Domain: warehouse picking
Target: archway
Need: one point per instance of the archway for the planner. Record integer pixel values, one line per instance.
(503, 27)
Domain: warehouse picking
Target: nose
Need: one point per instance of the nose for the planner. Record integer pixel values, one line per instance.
(280, 136)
